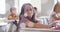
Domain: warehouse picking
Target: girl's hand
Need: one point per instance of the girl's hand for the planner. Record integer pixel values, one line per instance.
(29, 23)
(55, 17)
(52, 24)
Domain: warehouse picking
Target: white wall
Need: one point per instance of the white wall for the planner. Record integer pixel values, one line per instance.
(46, 7)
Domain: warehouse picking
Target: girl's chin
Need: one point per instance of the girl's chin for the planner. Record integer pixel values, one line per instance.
(30, 16)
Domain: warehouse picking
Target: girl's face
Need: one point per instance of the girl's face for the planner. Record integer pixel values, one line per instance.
(13, 11)
(28, 10)
(57, 9)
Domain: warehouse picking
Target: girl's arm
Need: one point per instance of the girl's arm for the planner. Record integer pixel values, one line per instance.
(38, 25)
(55, 17)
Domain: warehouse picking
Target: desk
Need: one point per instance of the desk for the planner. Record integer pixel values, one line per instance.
(12, 26)
(3, 27)
(37, 30)
(55, 30)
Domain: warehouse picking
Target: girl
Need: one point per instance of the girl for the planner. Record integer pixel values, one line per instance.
(56, 15)
(27, 16)
(12, 15)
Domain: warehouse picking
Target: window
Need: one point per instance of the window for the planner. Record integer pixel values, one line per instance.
(2, 7)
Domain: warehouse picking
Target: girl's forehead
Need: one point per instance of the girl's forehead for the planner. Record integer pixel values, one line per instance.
(28, 6)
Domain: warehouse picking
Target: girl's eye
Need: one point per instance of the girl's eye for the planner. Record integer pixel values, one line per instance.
(30, 9)
(27, 10)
